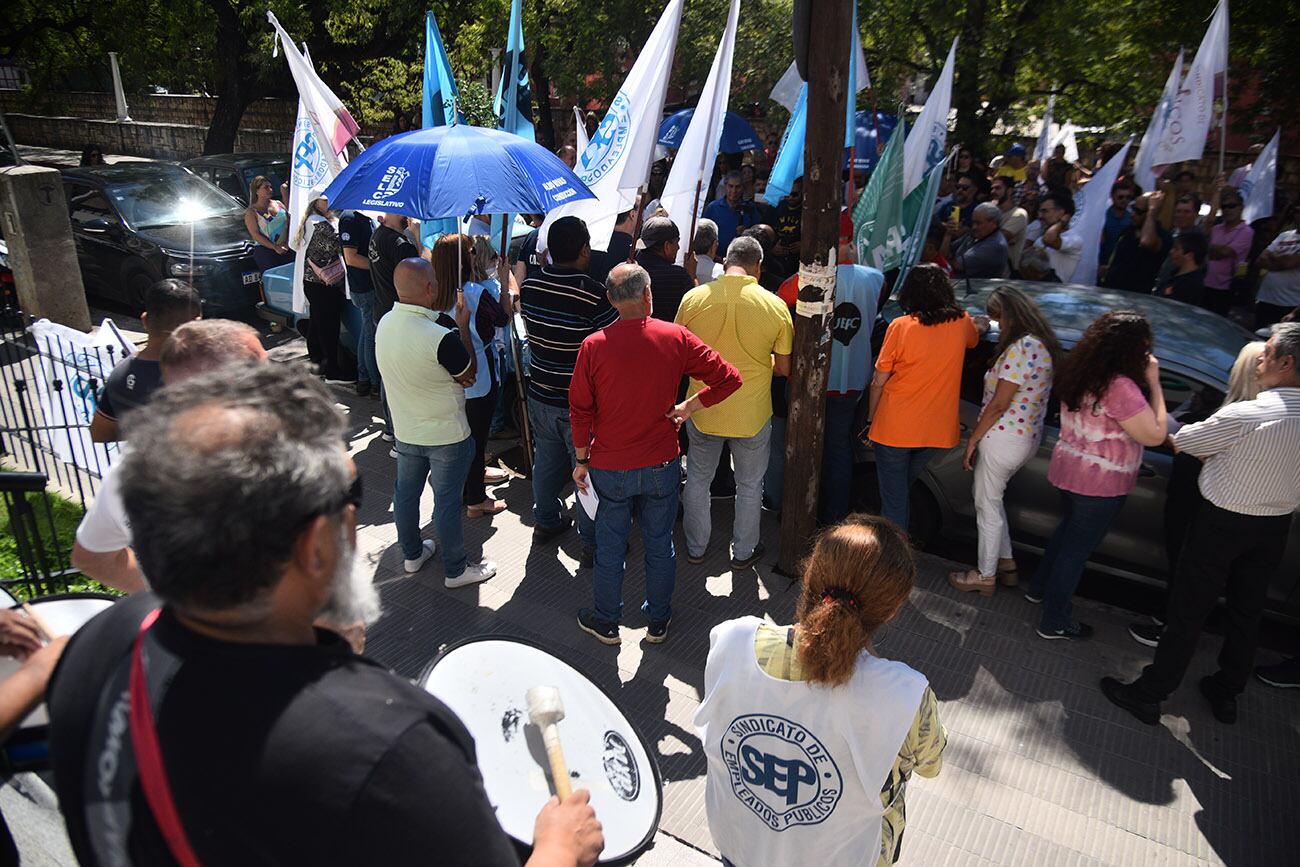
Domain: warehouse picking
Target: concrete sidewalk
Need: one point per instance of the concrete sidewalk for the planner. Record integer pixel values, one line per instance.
(1040, 768)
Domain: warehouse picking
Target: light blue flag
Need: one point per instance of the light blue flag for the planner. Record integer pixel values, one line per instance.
(437, 108)
(789, 158)
(850, 120)
(514, 102)
(439, 104)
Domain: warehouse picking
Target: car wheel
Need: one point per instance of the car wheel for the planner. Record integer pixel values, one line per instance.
(925, 520)
(135, 281)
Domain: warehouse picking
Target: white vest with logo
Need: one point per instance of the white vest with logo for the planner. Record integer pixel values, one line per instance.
(795, 769)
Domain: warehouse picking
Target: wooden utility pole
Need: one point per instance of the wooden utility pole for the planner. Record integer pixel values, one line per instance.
(828, 83)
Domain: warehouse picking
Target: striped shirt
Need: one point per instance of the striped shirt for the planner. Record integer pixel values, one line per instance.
(1251, 451)
(561, 307)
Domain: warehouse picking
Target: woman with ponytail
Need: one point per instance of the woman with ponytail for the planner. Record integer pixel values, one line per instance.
(810, 736)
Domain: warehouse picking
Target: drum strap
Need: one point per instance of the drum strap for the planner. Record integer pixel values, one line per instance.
(148, 756)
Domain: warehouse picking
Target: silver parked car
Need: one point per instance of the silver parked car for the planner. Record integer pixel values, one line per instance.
(1196, 350)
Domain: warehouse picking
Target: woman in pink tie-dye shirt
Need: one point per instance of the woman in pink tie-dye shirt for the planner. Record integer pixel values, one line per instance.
(1106, 420)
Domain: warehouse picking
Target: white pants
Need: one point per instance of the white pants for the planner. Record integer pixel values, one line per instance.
(998, 458)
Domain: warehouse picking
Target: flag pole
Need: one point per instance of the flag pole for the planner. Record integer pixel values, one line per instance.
(1223, 120)
(695, 210)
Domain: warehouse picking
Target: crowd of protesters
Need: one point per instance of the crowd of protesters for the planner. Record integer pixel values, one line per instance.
(657, 373)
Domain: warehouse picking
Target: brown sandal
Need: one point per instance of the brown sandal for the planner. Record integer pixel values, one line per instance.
(964, 582)
(487, 507)
(1009, 577)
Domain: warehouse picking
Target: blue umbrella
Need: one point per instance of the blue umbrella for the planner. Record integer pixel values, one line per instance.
(737, 134)
(864, 155)
(454, 171)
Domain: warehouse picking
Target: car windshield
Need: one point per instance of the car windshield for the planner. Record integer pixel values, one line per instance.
(274, 172)
(168, 198)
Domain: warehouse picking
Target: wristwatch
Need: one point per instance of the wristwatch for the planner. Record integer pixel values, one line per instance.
(583, 461)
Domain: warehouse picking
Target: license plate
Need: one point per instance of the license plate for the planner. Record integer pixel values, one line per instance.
(252, 277)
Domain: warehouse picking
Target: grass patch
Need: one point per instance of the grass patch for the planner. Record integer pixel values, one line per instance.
(57, 547)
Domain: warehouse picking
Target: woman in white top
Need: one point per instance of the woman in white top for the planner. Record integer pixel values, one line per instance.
(1009, 430)
(809, 736)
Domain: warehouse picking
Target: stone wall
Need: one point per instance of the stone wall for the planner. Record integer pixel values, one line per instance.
(171, 141)
(184, 109)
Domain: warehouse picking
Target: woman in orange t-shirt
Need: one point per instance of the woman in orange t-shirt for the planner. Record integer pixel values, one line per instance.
(917, 385)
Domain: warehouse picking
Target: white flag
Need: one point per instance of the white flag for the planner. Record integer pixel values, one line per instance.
(1257, 189)
(580, 134)
(616, 162)
(1090, 205)
(694, 163)
(1043, 149)
(311, 171)
(1144, 172)
(332, 124)
(786, 91)
(861, 77)
(1183, 137)
(924, 146)
(1065, 136)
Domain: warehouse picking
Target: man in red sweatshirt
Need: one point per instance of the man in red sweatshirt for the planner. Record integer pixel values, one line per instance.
(625, 421)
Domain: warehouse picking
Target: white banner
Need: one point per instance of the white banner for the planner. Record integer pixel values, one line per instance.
(1065, 136)
(1257, 189)
(580, 130)
(1090, 205)
(1043, 150)
(694, 164)
(74, 360)
(924, 146)
(1144, 172)
(616, 162)
(1184, 134)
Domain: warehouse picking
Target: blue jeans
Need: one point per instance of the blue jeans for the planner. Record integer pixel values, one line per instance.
(749, 457)
(837, 458)
(367, 368)
(445, 469)
(774, 477)
(1083, 526)
(896, 469)
(553, 468)
(649, 493)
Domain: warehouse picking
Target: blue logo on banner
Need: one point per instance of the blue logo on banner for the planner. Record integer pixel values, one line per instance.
(308, 159)
(606, 147)
(781, 771)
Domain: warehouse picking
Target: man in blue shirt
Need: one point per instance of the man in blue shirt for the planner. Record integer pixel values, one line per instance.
(1118, 218)
(857, 300)
(732, 213)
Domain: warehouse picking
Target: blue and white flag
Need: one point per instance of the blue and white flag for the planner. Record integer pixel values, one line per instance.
(438, 107)
(788, 167)
(616, 162)
(1144, 172)
(514, 102)
(924, 147)
(1257, 189)
(1091, 204)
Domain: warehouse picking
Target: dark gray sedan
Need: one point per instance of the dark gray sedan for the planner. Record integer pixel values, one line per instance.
(1196, 350)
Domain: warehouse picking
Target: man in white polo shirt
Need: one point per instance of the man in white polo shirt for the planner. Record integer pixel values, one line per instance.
(426, 360)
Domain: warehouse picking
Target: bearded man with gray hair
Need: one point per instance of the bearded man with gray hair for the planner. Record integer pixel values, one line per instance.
(981, 252)
(207, 721)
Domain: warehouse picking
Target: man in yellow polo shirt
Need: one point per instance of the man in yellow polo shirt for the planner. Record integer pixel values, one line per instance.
(750, 328)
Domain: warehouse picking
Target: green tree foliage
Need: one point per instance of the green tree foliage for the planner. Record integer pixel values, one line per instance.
(1105, 60)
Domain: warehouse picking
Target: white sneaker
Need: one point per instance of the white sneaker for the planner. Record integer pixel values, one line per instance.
(392, 453)
(427, 550)
(474, 573)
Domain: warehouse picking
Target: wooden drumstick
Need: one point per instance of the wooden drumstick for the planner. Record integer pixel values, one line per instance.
(47, 634)
(545, 710)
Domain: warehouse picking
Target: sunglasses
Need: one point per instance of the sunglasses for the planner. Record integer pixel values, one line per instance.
(1227, 205)
(350, 497)
(965, 187)
(1140, 210)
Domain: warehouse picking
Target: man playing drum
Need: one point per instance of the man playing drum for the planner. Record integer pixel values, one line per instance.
(206, 721)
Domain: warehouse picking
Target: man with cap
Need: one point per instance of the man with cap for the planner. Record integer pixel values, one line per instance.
(1013, 166)
(668, 280)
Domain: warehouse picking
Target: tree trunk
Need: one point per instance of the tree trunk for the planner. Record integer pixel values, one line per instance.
(541, 87)
(811, 357)
(972, 128)
(236, 81)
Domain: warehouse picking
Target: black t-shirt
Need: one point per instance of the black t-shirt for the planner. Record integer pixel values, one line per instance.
(1133, 267)
(387, 248)
(528, 255)
(1188, 288)
(620, 244)
(355, 230)
(130, 385)
(668, 283)
(275, 754)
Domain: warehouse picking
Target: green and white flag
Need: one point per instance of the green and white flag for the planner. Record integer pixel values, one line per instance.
(879, 229)
(918, 210)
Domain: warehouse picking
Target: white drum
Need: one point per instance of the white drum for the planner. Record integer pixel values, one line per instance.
(484, 680)
(27, 748)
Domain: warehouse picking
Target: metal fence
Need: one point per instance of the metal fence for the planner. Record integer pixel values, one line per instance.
(48, 389)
